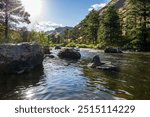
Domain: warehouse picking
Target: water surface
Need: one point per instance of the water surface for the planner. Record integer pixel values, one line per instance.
(66, 79)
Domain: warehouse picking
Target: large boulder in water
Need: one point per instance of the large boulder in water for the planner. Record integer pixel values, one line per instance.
(69, 54)
(96, 63)
(112, 50)
(20, 58)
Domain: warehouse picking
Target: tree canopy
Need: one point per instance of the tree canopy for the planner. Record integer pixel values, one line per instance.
(12, 13)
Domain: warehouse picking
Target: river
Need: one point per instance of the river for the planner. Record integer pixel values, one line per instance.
(72, 80)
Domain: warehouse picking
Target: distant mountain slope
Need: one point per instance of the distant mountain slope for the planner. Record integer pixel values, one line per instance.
(59, 31)
(118, 4)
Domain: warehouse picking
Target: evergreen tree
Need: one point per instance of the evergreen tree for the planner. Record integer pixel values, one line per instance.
(93, 25)
(12, 11)
(86, 31)
(110, 33)
(137, 23)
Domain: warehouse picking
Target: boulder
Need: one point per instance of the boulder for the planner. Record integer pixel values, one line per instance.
(96, 63)
(112, 50)
(69, 54)
(58, 47)
(20, 58)
(46, 49)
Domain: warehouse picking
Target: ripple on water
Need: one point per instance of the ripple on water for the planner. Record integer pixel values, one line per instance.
(66, 79)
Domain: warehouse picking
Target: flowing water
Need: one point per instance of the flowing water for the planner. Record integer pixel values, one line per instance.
(66, 79)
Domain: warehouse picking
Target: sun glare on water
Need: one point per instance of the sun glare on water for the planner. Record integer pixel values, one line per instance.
(33, 7)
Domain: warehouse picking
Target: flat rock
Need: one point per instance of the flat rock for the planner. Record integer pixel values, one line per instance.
(108, 67)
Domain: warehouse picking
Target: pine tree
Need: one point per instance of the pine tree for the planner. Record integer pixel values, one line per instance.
(12, 11)
(110, 33)
(137, 23)
(86, 31)
(93, 25)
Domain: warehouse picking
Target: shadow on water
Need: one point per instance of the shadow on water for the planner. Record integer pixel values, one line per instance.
(131, 82)
(12, 86)
(136, 73)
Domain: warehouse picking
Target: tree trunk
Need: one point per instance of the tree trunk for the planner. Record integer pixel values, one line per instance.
(144, 31)
(6, 22)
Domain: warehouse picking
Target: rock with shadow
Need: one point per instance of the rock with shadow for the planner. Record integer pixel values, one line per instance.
(68, 53)
(96, 63)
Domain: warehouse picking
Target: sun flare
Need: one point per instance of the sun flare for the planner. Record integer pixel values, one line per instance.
(33, 7)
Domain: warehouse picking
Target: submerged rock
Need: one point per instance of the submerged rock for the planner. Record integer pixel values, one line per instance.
(69, 54)
(51, 56)
(112, 50)
(107, 66)
(96, 63)
(20, 58)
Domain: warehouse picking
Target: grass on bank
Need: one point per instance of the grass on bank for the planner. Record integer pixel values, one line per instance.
(72, 44)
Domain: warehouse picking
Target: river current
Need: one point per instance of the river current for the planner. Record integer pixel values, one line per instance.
(71, 80)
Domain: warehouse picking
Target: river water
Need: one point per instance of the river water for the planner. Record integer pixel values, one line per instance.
(72, 80)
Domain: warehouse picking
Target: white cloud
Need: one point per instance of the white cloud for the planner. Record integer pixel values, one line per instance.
(97, 6)
(46, 26)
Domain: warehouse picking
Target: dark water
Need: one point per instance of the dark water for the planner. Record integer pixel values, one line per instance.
(63, 79)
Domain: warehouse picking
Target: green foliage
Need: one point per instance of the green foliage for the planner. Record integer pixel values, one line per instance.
(128, 27)
(39, 37)
(86, 31)
(110, 30)
(72, 44)
(137, 24)
(1, 33)
(92, 26)
(9, 10)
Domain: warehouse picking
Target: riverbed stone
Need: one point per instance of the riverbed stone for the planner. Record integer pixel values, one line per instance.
(20, 58)
(69, 54)
(107, 66)
(112, 50)
(96, 63)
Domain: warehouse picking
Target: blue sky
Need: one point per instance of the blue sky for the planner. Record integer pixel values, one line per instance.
(67, 12)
